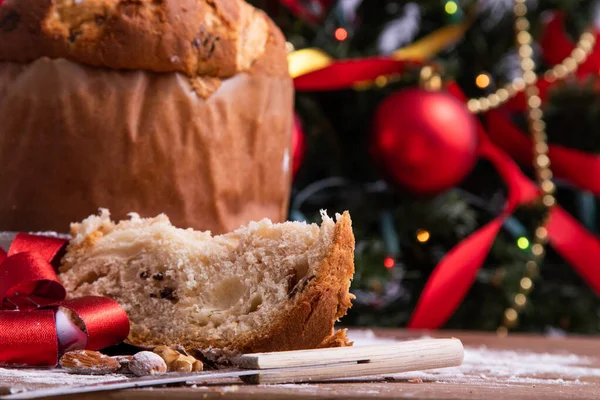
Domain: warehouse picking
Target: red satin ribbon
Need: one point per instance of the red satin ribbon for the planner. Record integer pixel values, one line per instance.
(581, 169)
(556, 46)
(519, 102)
(347, 73)
(30, 292)
(454, 275)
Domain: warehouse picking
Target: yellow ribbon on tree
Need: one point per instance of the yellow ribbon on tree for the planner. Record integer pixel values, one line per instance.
(303, 61)
(429, 46)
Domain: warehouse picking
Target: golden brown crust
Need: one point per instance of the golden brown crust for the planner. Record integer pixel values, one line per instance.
(309, 320)
(274, 60)
(309, 323)
(338, 339)
(196, 37)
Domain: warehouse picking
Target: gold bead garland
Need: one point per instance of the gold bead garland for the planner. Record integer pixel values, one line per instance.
(430, 79)
(541, 161)
(580, 53)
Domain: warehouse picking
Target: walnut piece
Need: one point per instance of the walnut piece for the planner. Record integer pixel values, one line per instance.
(88, 362)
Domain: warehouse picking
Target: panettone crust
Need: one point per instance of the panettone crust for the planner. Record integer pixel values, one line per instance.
(195, 37)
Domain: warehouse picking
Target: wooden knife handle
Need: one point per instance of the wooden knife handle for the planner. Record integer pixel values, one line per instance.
(359, 361)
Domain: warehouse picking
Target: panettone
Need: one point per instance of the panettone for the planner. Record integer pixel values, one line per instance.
(262, 287)
(183, 107)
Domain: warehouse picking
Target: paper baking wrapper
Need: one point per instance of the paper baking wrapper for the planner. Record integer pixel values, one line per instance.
(74, 139)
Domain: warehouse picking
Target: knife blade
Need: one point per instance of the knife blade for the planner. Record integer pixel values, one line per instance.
(148, 381)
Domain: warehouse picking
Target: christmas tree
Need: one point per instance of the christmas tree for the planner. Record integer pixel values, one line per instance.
(402, 150)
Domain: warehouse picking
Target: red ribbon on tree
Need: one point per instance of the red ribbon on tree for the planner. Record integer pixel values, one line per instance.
(346, 74)
(581, 169)
(30, 294)
(454, 275)
(557, 45)
(519, 102)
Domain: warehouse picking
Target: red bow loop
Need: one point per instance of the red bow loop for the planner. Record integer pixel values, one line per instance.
(28, 285)
(28, 275)
(106, 323)
(47, 247)
(28, 278)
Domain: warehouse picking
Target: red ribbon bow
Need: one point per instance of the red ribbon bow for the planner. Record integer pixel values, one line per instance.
(30, 294)
(454, 275)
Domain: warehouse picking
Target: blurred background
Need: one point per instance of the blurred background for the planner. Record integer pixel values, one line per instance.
(404, 156)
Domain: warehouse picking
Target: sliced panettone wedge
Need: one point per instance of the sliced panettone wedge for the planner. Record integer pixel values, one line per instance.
(263, 287)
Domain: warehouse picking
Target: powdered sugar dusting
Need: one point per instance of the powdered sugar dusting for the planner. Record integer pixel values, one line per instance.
(303, 387)
(368, 338)
(294, 386)
(50, 377)
(500, 367)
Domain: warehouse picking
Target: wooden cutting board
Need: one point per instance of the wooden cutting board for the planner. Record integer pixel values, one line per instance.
(517, 367)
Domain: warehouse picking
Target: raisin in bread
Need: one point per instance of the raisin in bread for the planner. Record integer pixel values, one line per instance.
(262, 287)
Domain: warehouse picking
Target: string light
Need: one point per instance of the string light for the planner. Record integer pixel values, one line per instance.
(341, 34)
(423, 236)
(381, 81)
(523, 243)
(482, 81)
(451, 7)
(389, 262)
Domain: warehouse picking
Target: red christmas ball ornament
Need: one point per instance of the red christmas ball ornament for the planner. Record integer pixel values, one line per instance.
(425, 141)
(298, 145)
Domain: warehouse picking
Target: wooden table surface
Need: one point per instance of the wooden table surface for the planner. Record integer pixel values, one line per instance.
(514, 367)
